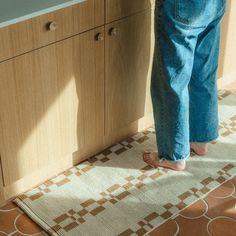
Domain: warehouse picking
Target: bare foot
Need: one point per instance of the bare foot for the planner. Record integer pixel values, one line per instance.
(199, 148)
(151, 158)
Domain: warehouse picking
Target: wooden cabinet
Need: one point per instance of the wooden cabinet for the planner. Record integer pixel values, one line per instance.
(117, 9)
(51, 104)
(68, 93)
(127, 60)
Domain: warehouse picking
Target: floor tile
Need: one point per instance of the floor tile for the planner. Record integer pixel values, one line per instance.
(193, 227)
(16, 223)
(7, 219)
(221, 207)
(25, 225)
(196, 210)
(221, 225)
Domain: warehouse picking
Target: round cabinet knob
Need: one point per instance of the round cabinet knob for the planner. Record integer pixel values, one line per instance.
(99, 37)
(113, 31)
(52, 26)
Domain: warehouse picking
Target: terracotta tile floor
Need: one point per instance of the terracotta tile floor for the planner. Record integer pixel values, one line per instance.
(215, 215)
(15, 223)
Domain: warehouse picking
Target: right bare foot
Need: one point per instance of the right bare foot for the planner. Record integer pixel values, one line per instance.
(199, 148)
(151, 158)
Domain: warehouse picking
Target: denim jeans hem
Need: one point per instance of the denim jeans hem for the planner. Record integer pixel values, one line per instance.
(186, 157)
(204, 140)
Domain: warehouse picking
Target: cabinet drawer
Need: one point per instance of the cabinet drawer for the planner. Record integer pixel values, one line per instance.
(39, 31)
(116, 9)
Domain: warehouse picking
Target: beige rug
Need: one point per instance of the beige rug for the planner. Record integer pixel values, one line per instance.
(116, 193)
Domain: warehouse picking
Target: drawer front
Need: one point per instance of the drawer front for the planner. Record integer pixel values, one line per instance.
(39, 31)
(116, 9)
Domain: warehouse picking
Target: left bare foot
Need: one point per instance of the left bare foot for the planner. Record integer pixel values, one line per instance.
(151, 158)
(200, 149)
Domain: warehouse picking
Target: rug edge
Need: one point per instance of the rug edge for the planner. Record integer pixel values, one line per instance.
(30, 213)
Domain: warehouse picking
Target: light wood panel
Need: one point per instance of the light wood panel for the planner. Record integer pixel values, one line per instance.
(227, 71)
(117, 9)
(99, 12)
(51, 104)
(128, 58)
(34, 33)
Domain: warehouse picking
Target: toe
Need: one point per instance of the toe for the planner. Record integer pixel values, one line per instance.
(146, 156)
(151, 158)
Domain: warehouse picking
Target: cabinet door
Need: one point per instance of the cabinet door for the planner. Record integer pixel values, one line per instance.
(51, 104)
(117, 9)
(127, 70)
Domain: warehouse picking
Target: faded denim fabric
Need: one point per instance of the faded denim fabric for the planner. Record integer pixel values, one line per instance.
(183, 82)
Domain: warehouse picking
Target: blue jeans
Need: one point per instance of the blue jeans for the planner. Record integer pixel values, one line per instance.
(183, 82)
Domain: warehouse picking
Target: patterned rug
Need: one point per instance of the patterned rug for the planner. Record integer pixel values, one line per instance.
(116, 193)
